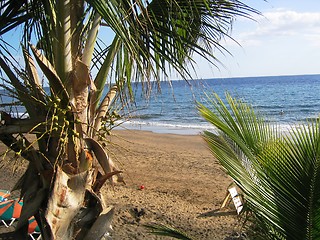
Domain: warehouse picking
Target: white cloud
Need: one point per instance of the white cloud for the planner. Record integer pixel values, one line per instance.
(279, 23)
(291, 22)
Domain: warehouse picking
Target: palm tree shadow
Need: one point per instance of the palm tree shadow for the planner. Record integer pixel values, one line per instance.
(218, 213)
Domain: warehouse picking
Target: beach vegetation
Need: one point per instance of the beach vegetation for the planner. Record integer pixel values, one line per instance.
(276, 170)
(89, 54)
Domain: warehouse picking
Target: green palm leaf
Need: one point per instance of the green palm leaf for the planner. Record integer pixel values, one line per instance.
(165, 32)
(278, 174)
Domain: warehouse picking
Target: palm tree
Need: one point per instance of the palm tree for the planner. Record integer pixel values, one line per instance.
(278, 173)
(149, 38)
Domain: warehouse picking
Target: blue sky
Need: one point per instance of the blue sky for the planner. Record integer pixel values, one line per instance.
(285, 40)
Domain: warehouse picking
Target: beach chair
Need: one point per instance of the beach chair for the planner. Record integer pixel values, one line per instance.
(4, 194)
(10, 210)
(33, 229)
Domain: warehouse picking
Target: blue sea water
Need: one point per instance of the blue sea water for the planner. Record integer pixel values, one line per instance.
(285, 100)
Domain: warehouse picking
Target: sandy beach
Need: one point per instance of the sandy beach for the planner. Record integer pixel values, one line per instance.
(184, 186)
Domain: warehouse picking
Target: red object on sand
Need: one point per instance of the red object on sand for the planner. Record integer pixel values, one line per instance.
(141, 187)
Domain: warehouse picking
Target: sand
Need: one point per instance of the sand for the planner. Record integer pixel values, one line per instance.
(184, 186)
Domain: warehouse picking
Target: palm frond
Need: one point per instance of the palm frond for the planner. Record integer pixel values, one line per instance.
(163, 33)
(48, 69)
(278, 174)
(12, 14)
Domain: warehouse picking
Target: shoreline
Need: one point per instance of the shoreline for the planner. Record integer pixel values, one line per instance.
(184, 186)
(162, 128)
(194, 130)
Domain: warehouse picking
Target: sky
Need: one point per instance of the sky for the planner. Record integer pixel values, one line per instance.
(284, 40)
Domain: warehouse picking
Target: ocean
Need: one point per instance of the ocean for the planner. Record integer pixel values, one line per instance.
(284, 100)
